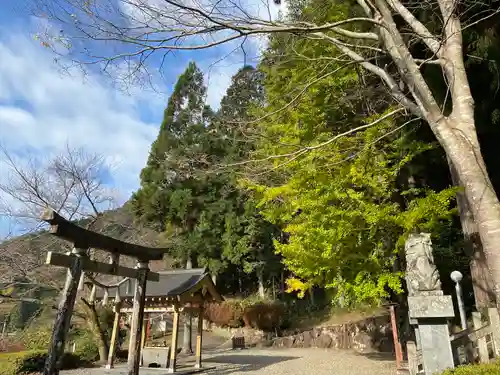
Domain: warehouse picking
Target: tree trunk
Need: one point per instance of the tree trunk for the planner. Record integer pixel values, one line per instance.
(311, 296)
(481, 282)
(97, 330)
(260, 278)
(240, 283)
(460, 143)
(187, 345)
(282, 283)
(457, 135)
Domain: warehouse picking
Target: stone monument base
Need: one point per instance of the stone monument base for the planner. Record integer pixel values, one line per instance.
(430, 313)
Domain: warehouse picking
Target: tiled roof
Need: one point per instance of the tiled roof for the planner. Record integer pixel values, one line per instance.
(172, 283)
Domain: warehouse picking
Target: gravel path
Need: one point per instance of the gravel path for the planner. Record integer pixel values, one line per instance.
(277, 362)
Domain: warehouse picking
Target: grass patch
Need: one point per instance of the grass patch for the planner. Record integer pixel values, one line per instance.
(33, 361)
(483, 369)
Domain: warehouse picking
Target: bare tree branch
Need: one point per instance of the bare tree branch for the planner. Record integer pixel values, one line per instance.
(70, 183)
(306, 149)
(134, 30)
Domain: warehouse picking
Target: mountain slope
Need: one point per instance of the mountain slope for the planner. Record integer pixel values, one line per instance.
(22, 259)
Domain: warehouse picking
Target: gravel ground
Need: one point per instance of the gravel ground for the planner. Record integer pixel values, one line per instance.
(277, 362)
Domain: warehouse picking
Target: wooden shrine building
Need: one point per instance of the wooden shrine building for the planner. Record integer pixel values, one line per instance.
(176, 291)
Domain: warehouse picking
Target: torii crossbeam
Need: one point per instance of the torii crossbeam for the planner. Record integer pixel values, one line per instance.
(77, 262)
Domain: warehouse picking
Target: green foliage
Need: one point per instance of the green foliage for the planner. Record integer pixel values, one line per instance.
(336, 209)
(32, 361)
(204, 215)
(482, 369)
(184, 116)
(22, 362)
(87, 348)
(86, 341)
(37, 338)
(106, 318)
(346, 203)
(22, 313)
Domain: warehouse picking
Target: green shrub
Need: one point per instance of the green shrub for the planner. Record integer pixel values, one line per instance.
(22, 362)
(86, 347)
(37, 338)
(33, 361)
(483, 369)
(74, 360)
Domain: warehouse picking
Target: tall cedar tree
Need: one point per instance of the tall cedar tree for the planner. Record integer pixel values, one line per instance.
(164, 198)
(247, 237)
(206, 219)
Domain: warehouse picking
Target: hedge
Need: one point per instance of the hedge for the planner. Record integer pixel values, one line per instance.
(266, 316)
(33, 361)
(225, 314)
(483, 369)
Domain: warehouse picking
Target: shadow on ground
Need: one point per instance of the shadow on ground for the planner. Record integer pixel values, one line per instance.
(242, 363)
(380, 356)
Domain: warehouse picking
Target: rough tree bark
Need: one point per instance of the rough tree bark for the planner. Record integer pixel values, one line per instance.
(97, 329)
(403, 78)
(456, 132)
(484, 208)
(481, 282)
(260, 281)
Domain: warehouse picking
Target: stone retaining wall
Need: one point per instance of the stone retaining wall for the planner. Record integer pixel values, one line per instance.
(367, 335)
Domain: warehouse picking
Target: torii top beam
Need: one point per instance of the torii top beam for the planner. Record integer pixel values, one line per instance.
(84, 239)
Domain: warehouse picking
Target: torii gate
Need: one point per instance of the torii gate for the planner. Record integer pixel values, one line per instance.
(77, 262)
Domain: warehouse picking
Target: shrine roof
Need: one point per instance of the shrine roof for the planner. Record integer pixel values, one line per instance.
(173, 283)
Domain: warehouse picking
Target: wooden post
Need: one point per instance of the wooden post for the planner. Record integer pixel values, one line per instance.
(63, 260)
(395, 337)
(63, 318)
(199, 339)
(114, 337)
(134, 355)
(494, 319)
(148, 327)
(482, 347)
(144, 331)
(175, 335)
(93, 292)
(411, 349)
(81, 282)
(4, 327)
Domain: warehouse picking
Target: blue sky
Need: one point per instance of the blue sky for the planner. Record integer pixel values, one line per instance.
(42, 110)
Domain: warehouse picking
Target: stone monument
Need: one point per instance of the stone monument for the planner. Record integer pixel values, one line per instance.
(429, 309)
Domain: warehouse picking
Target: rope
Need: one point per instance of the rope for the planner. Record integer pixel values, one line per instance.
(113, 259)
(104, 286)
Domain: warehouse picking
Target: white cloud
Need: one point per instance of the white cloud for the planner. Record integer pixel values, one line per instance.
(42, 110)
(160, 16)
